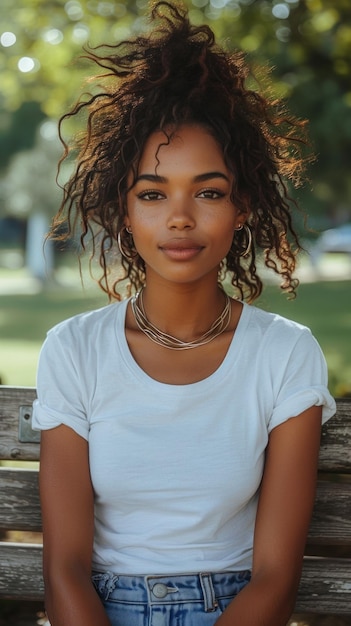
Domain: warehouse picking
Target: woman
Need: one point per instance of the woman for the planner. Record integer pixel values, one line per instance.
(180, 426)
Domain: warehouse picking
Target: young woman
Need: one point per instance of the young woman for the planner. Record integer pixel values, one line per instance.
(180, 426)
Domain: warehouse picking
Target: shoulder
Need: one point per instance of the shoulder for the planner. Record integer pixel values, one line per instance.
(276, 328)
(291, 364)
(280, 340)
(75, 344)
(87, 324)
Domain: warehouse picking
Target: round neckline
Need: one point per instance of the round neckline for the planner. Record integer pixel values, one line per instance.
(223, 369)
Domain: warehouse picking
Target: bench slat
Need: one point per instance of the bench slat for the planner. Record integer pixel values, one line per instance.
(334, 456)
(20, 507)
(331, 518)
(20, 503)
(325, 585)
(21, 571)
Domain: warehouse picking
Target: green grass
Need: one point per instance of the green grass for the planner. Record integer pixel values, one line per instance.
(325, 307)
(24, 319)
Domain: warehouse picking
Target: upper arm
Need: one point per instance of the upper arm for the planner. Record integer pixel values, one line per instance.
(287, 494)
(66, 498)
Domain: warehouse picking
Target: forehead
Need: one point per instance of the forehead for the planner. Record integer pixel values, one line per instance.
(188, 145)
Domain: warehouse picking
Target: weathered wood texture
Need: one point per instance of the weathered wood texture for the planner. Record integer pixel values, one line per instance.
(20, 505)
(335, 452)
(11, 449)
(331, 519)
(325, 586)
(21, 571)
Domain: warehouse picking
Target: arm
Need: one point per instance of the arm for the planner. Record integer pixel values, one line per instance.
(284, 511)
(68, 525)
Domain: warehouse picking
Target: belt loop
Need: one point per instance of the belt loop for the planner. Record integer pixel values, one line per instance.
(210, 601)
(110, 585)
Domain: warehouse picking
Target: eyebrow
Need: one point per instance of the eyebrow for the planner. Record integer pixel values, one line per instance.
(155, 178)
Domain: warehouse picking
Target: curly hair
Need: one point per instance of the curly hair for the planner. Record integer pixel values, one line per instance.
(176, 74)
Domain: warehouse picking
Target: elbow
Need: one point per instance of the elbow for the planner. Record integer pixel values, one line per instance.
(61, 577)
(279, 594)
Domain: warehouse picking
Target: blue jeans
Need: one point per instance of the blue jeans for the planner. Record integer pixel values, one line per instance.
(182, 600)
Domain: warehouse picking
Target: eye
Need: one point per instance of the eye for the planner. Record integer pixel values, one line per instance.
(211, 194)
(150, 195)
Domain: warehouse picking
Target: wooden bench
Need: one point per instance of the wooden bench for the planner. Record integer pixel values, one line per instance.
(326, 580)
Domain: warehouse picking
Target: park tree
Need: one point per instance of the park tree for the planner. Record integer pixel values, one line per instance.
(309, 44)
(29, 191)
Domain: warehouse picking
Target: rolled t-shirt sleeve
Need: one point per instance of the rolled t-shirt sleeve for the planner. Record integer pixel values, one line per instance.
(60, 388)
(303, 383)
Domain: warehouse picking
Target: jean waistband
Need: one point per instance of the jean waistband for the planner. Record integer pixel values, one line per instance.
(162, 589)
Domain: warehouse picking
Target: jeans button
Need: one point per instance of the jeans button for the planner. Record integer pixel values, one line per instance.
(160, 590)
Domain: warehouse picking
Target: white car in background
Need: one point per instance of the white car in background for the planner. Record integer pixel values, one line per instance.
(333, 240)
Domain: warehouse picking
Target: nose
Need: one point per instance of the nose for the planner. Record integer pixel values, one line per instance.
(181, 215)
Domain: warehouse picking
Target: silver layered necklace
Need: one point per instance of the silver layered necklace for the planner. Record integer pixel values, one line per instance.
(168, 341)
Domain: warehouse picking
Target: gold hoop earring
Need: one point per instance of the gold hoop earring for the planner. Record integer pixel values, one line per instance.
(127, 255)
(246, 252)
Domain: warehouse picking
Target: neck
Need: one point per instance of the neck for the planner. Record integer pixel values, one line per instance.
(184, 311)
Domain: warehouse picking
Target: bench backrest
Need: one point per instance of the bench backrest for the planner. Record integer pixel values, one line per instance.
(326, 580)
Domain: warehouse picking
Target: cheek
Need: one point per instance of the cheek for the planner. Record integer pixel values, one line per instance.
(228, 243)
(144, 236)
(227, 235)
(225, 227)
(144, 218)
(144, 230)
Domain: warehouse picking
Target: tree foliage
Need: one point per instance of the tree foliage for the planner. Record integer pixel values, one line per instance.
(307, 41)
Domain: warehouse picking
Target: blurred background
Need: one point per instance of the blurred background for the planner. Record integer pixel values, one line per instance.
(308, 42)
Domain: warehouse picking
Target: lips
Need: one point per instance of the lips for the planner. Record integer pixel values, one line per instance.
(181, 249)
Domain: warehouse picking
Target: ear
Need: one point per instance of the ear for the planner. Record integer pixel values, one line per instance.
(241, 219)
(244, 213)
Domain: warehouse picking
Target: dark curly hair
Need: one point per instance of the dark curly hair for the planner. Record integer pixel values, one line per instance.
(176, 74)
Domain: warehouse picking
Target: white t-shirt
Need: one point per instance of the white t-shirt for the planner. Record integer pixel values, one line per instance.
(176, 468)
